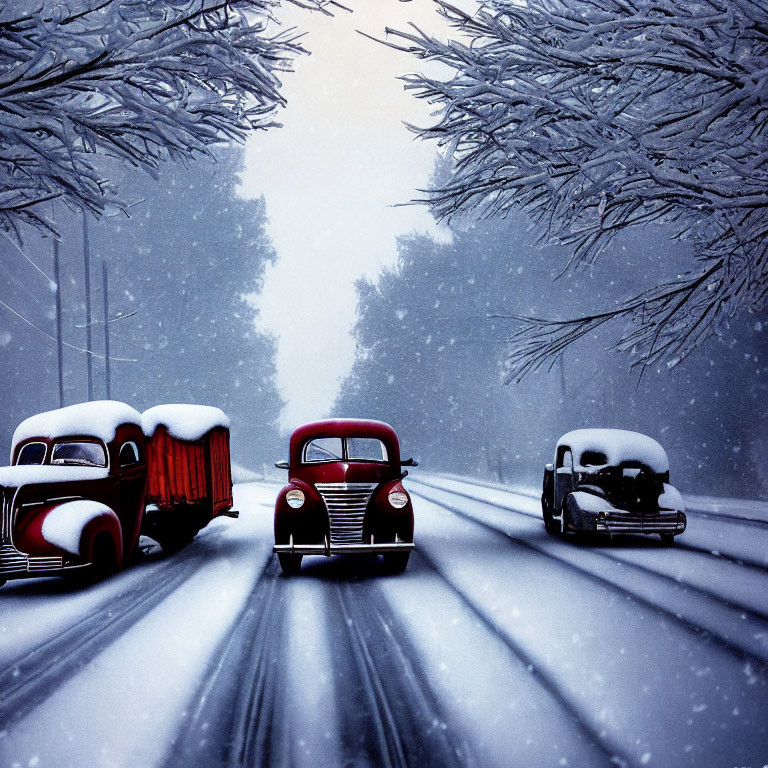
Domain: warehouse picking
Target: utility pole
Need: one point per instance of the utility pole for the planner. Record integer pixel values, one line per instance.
(106, 325)
(59, 344)
(88, 340)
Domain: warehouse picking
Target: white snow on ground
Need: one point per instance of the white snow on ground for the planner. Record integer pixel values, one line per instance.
(647, 683)
(155, 667)
(25, 474)
(99, 418)
(480, 683)
(184, 421)
(596, 630)
(63, 525)
(312, 715)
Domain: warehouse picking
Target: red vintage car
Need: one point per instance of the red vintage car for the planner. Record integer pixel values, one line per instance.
(344, 494)
(74, 495)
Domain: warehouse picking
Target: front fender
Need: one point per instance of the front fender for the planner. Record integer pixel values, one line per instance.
(383, 521)
(67, 529)
(308, 524)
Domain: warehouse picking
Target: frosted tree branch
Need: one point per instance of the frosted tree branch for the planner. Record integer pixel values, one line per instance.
(599, 115)
(136, 80)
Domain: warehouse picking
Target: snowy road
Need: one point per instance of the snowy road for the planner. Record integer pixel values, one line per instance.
(499, 646)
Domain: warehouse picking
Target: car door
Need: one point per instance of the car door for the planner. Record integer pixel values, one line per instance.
(131, 478)
(563, 475)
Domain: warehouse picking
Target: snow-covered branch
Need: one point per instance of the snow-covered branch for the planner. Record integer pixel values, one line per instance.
(599, 115)
(136, 80)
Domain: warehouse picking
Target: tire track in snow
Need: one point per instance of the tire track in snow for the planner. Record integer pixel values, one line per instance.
(741, 645)
(30, 679)
(390, 718)
(732, 520)
(611, 751)
(679, 545)
(237, 719)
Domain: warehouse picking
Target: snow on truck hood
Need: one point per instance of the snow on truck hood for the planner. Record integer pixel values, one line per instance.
(99, 418)
(184, 421)
(26, 474)
(618, 445)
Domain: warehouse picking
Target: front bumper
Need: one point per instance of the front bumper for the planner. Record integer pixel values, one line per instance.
(626, 522)
(328, 548)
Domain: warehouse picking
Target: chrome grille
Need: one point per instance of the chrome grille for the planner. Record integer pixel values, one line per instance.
(11, 560)
(346, 504)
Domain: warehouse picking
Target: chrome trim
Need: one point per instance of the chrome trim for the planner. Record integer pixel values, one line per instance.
(5, 521)
(668, 522)
(346, 504)
(13, 562)
(343, 549)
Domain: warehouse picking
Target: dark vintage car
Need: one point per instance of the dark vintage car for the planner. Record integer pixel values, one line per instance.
(344, 494)
(73, 497)
(611, 481)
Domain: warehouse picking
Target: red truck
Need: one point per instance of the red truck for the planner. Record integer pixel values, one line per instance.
(74, 496)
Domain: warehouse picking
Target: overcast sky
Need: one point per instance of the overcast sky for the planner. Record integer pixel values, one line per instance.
(330, 177)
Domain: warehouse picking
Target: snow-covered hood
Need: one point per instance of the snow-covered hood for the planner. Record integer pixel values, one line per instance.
(27, 474)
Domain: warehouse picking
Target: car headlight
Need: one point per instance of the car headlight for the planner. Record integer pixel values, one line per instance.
(295, 498)
(398, 499)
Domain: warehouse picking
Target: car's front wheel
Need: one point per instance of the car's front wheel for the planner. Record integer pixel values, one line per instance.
(396, 562)
(551, 523)
(103, 558)
(290, 564)
(667, 539)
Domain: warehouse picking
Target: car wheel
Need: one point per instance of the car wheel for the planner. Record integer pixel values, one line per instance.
(667, 539)
(103, 558)
(396, 562)
(289, 564)
(551, 524)
(2, 582)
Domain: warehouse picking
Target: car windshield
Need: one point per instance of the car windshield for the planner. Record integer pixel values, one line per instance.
(84, 454)
(323, 449)
(32, 453)
(344, 449)
(366, 449)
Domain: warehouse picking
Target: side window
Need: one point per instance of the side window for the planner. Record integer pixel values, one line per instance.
(32, 453)
(323, 449)
(129, 454)
(565, 461)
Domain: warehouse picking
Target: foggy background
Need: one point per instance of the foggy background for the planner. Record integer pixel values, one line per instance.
(281, 285)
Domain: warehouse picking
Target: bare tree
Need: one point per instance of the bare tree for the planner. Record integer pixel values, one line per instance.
(600, 115)
(136, 80)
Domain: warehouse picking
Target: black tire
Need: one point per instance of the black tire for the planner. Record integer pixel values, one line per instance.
(2, 582)
(396, 562)
(551, 525)
(667, 539)
(104, 558)
(290, 564)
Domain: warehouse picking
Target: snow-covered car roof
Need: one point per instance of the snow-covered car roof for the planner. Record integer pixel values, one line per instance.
(99, 418)
(27, 474)
(183, 420)
(618, 445)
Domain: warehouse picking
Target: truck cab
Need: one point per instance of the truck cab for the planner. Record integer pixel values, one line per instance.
(73, 496)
